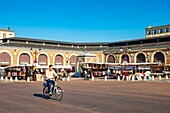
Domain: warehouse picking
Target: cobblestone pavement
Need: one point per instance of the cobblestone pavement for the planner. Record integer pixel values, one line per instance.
(83, 96)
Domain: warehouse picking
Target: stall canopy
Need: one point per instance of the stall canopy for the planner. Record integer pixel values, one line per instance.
(121, 67)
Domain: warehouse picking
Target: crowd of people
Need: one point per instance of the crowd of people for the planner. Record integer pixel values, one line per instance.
(123, 74)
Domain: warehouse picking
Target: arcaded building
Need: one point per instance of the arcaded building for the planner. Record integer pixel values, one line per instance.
(19, 51)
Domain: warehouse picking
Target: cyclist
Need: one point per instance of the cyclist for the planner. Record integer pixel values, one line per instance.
(50, 74)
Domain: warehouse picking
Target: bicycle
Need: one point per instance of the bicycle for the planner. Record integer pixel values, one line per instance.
(57, 92)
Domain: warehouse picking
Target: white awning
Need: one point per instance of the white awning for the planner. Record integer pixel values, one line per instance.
(62, 66)
(6, 63)
(42, 63)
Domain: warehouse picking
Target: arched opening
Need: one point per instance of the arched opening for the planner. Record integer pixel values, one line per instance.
(59, 60)
(5, 59)
(42, 60)
(111, 59)
(125, 57)
(159, 57)
(73, 60)
(140, 58)
(24, 59)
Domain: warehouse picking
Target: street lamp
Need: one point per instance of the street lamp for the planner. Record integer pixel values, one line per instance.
(125, 61)
(124, 51)
(35, 53)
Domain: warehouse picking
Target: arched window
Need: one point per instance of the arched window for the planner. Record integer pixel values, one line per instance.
(73, 60)
(24, 59)
(159, 57)
(111, 59)
(59, 60)
(140, 58)
(5, 59)
(42, 60)
(125, 57)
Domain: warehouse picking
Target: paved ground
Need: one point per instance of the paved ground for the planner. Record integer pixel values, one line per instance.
(87, 97)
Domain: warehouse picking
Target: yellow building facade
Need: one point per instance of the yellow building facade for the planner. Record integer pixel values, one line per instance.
(19, 51)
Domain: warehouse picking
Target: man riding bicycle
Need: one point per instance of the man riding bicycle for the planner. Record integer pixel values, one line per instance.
(51, 74)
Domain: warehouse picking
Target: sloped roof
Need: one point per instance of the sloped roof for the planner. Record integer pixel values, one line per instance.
(56, 42)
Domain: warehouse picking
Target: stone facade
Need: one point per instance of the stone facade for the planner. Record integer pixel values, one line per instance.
(136, 51)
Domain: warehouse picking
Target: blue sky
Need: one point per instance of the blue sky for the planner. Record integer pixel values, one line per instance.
(83, 20)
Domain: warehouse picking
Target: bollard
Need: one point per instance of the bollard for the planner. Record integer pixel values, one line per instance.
(118, 78)
(6, 78)
(166, 77)
(11, 79)
(68, 78)
(16, 79)
(127, 78)
(159, 77)
(2, 78)
(28, 79)
(133, 78)
(123, 77)
(153, 78)
(145, 78)
(105, 78)
(92, 78)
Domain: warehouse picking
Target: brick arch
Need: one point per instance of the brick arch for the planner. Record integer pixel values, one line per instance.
(42, 59)
(24, 52)
(136, 54)
(159, 57)
(163, 55)
(5, 58)
(110, 58)
(73, 60)
(124, 57)
(140, 58)
(58, 60)
(24, 58)
(55, 58)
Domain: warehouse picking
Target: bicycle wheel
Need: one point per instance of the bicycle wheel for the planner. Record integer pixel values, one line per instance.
(45, 92)
(58, 93)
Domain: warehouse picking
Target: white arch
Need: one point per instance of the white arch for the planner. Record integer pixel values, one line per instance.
(120, 58)
(48, 58)
(22, 53)
(58, 54)
(136, 54)
(70, 57)
(9, 54)
(108, 56)
(152, 56)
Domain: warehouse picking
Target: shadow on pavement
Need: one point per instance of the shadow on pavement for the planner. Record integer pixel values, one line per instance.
(42, 96)
(38, 95)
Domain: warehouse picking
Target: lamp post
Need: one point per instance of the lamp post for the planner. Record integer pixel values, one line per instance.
(124, 51)
(35, 53)
(125, 60)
